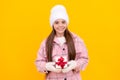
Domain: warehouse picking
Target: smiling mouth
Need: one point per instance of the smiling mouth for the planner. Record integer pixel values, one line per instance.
(61, 29)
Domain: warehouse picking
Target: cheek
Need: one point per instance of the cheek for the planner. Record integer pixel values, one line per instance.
(55, 25)
(65, 25)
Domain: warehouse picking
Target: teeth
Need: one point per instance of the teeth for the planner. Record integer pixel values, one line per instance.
(60, 29)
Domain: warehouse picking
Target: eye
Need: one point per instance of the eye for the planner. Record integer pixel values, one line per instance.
(63, 22)
(56, 22)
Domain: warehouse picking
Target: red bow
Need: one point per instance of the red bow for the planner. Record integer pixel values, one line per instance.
(61, 62)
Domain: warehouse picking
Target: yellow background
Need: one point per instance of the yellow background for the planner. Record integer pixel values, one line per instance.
(25, 23)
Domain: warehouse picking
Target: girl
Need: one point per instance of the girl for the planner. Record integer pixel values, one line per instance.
(63, 54)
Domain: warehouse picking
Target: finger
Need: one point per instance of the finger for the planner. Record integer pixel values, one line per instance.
(65, 70)
(52, 63)
(58, 70)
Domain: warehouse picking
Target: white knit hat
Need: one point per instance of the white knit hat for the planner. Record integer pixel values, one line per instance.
(58, 12)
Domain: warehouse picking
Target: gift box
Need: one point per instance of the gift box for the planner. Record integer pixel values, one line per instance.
(61, 62)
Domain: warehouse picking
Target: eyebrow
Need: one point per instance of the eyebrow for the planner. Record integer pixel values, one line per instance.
(61, 21)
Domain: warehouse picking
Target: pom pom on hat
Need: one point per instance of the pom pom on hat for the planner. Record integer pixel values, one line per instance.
(58, 12)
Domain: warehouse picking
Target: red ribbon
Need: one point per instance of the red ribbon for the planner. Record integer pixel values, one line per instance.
(61, 62)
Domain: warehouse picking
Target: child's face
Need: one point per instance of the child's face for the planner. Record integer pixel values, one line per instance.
(60, 26)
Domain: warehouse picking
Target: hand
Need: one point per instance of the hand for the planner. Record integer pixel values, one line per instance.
(50, 66)
(71, 65)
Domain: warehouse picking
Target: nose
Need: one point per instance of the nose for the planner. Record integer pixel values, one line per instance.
(60, 24)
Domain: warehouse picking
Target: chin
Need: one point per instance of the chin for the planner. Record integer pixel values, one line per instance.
(60, 31)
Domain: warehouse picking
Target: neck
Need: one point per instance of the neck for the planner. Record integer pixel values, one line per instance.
(59, 35)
